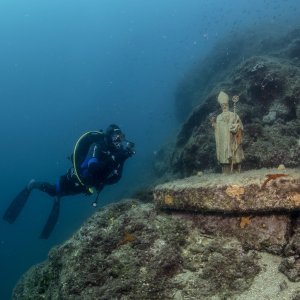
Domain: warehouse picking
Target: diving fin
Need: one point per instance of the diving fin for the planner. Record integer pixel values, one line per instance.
(16, 206)
(52, 220)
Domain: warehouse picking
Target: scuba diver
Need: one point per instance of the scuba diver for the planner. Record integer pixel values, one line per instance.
(97, 160)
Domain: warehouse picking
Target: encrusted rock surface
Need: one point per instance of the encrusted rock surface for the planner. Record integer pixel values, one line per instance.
(246, 192)
(126, 249)
(264, 233)
(131, 250)
(246, 206)
(290, 265)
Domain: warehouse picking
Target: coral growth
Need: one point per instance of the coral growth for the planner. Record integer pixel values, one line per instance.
(169, 200)
(235, 191)
(244, 222)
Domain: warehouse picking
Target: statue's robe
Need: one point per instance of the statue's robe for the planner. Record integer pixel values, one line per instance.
(228, 134)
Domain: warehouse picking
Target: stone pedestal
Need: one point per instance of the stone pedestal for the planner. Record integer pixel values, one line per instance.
(254, 206)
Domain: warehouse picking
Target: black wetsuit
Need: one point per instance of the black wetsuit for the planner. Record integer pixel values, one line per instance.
(99, 162)
(102, 166)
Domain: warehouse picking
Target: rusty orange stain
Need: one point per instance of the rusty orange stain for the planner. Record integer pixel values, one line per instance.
(245, 221)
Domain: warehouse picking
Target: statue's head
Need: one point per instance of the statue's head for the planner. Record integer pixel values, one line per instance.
(223, 100)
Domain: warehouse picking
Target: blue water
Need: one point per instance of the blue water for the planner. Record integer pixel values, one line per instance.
(68, 66)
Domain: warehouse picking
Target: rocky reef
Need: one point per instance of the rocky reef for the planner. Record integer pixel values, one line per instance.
(260, 208)
(230, 51)
(185, 245)
(132, 251)
(257, 191)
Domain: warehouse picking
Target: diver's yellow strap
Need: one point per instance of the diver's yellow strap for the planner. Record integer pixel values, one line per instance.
(74, 158)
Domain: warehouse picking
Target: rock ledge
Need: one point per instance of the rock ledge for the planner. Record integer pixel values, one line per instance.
(256, 191)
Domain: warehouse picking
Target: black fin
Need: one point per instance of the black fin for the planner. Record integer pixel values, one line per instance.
(52, 220)
(16, 206)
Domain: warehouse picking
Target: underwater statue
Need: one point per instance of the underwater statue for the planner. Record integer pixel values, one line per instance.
(228, 134)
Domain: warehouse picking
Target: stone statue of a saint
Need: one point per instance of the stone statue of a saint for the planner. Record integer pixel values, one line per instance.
(228, 134)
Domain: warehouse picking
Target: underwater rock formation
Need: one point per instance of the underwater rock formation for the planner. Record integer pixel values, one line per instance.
(267, 81)
(133, 250)
(290, 265)
(226, 55)
(247, 192)
(126, 249)
(269, 106)
(249, 206)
